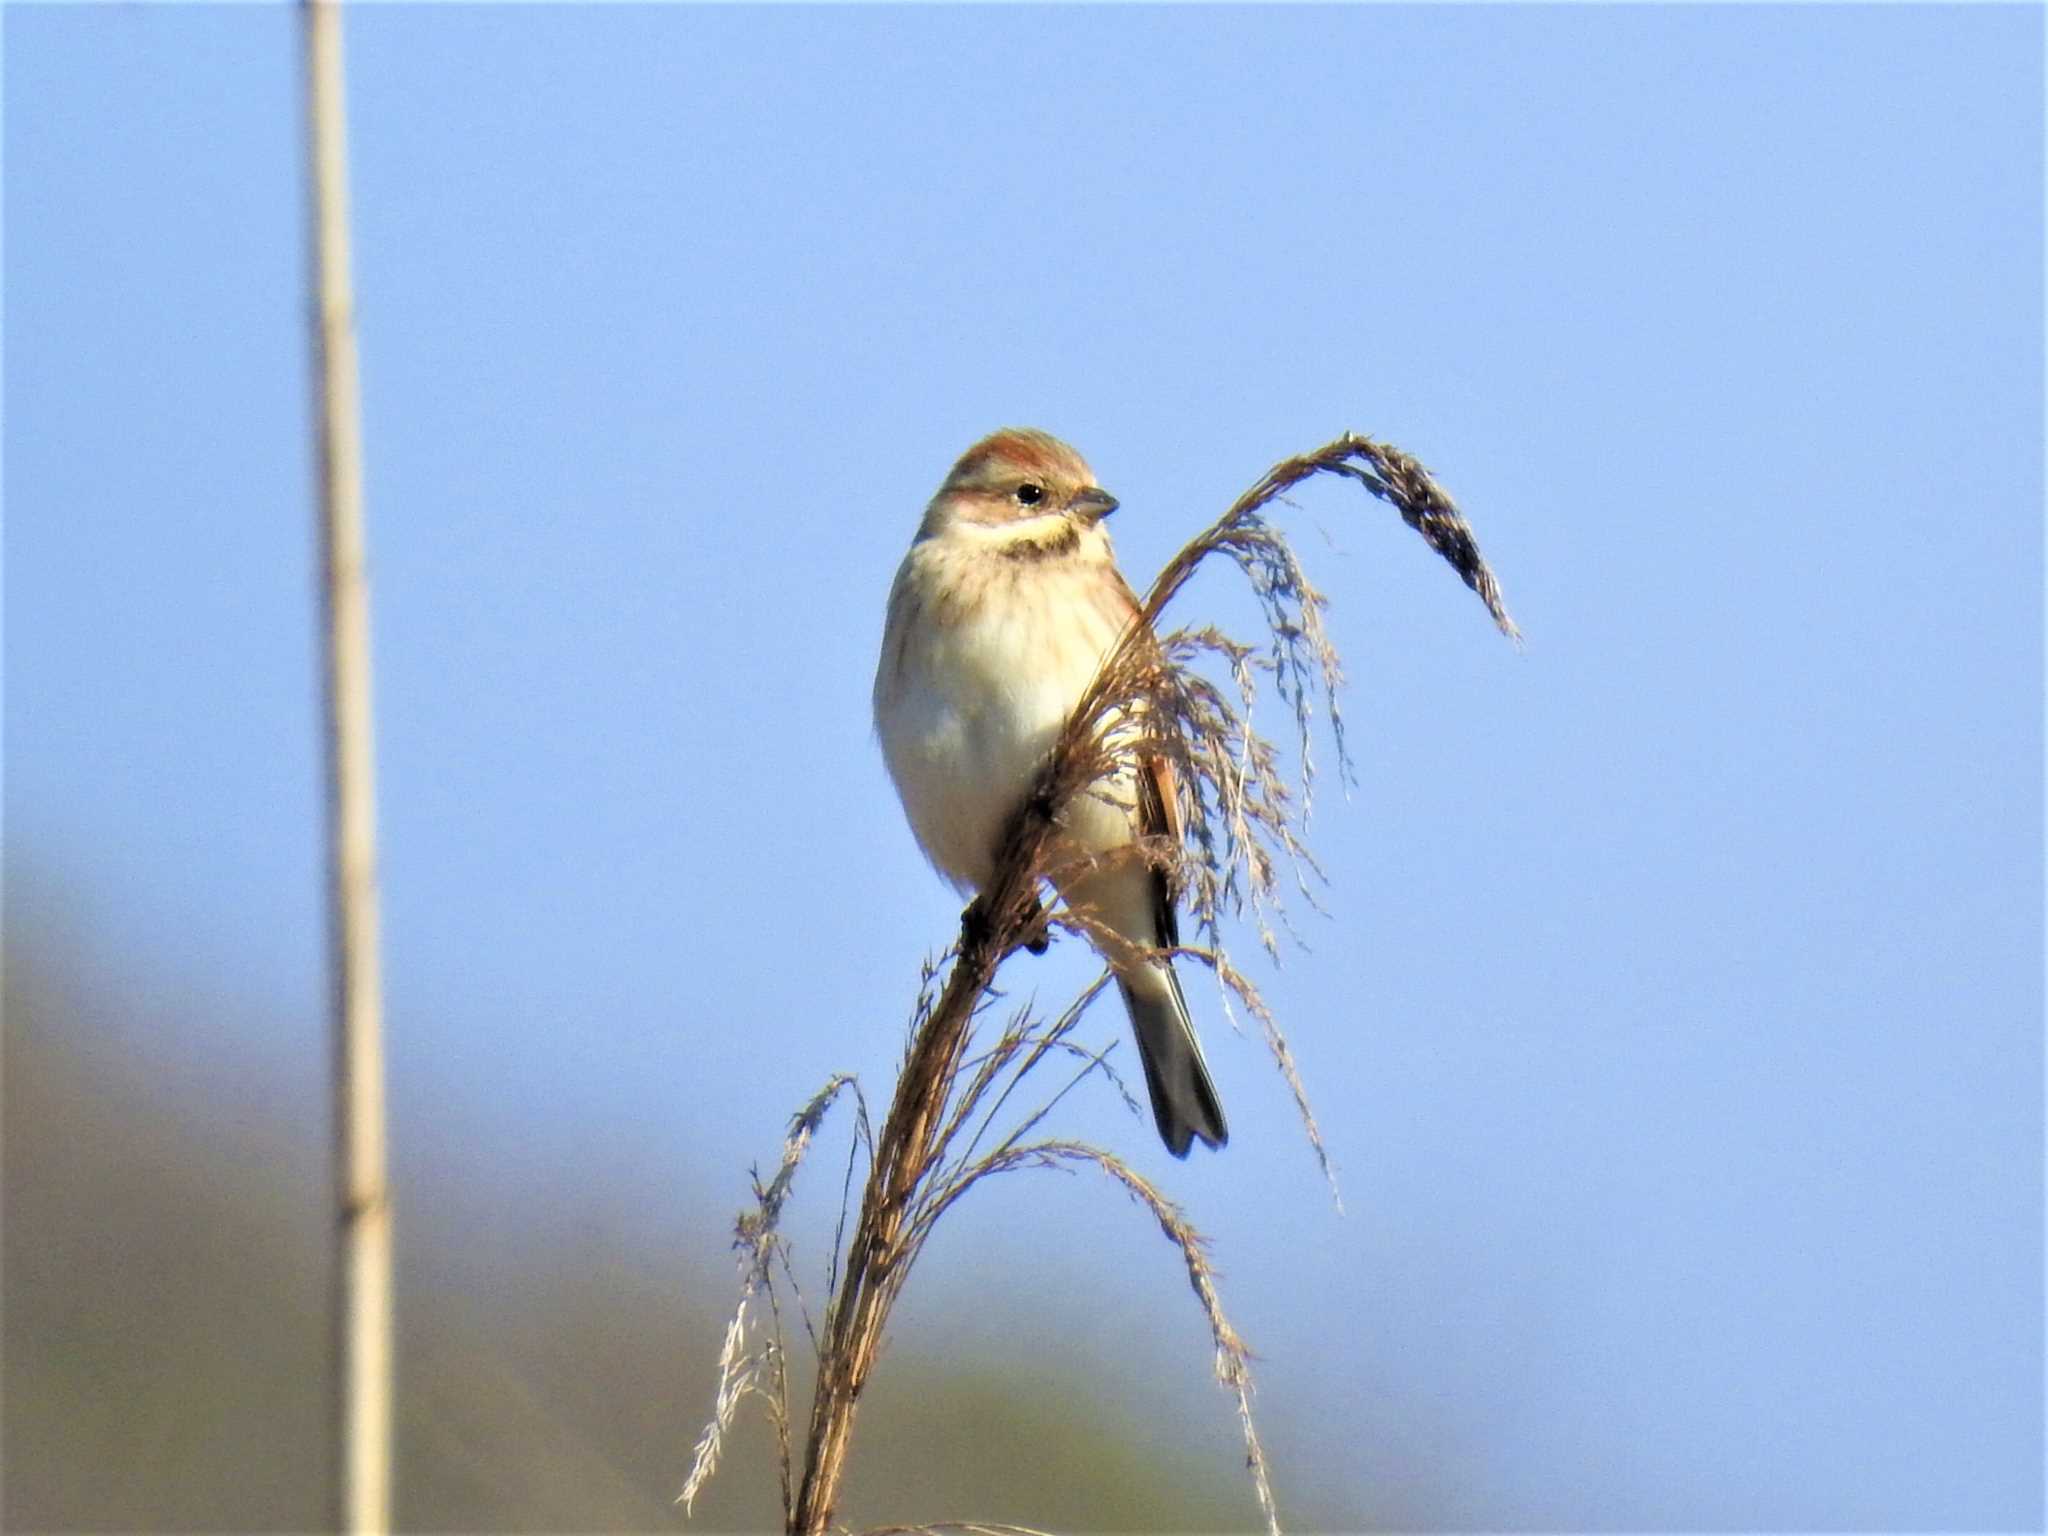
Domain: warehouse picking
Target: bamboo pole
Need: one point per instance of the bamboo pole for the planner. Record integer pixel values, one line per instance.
(362, 1277)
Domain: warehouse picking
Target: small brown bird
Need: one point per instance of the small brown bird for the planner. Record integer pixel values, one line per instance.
(999, 617)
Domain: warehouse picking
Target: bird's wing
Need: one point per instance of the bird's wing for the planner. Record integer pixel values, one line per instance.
(1159, 816)
(1159, 813)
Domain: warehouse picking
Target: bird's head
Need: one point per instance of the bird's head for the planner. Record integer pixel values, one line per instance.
(1018, 475)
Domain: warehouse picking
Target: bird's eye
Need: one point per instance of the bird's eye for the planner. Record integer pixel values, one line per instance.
(1030, 494)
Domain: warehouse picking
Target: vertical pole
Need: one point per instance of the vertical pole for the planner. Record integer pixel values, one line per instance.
(362, 1280)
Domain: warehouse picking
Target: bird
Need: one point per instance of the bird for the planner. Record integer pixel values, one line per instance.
(999, 617)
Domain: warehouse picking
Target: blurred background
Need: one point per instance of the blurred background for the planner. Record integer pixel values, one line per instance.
(1676, 1019)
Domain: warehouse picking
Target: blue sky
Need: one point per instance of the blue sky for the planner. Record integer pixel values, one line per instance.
(1677, 1026)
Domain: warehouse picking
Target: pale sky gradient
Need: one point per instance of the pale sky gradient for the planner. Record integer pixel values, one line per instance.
(1677, 1023)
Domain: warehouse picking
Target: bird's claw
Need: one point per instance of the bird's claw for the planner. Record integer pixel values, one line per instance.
(1037, 933)
(977, 928)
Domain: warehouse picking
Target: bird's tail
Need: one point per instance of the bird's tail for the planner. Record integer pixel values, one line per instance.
(1183, 1099)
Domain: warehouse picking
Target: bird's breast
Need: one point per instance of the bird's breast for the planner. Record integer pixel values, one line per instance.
(982, 664)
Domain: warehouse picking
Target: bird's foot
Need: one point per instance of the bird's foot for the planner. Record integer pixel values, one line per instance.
(1037, 934)
(977, 928)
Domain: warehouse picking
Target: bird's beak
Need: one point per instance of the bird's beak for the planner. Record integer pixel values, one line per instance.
(1092, 505)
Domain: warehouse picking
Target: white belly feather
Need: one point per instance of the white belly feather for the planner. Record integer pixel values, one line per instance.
(970, 701)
